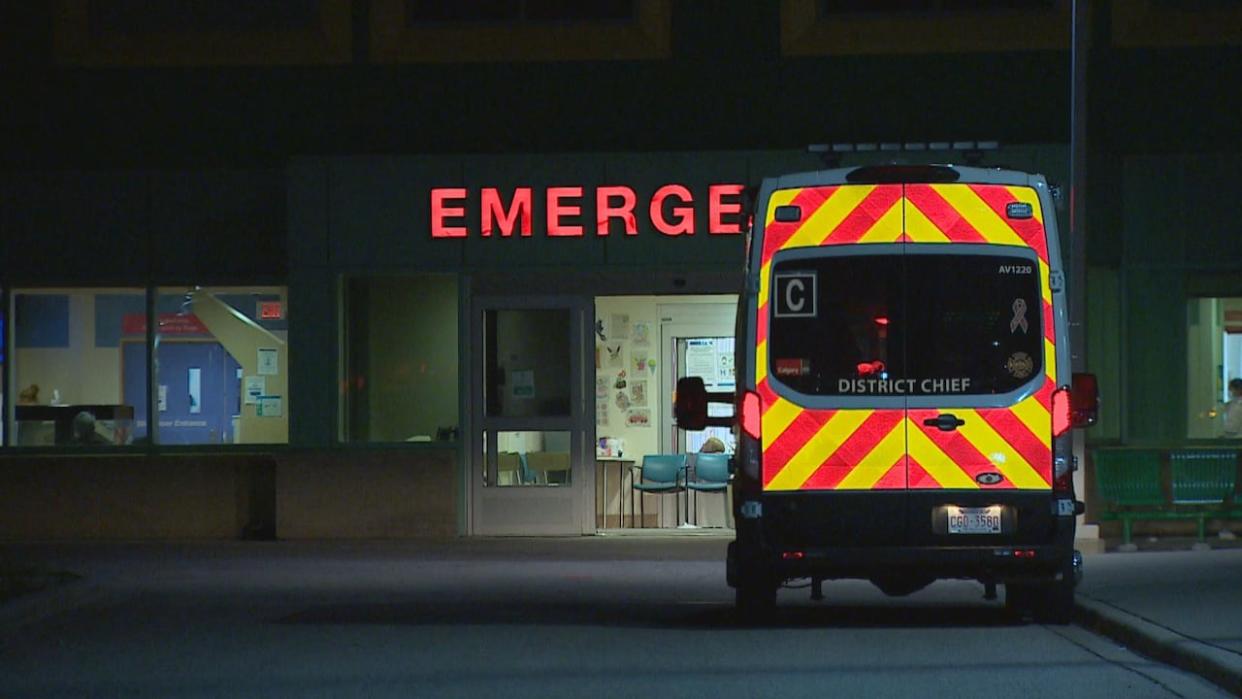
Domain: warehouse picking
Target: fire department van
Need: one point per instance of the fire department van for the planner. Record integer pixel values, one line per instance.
(904, 399)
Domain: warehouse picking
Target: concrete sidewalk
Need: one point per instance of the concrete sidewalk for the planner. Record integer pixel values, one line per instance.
(1183, 608)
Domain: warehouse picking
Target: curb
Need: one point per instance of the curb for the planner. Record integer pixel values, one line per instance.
(1218, 666)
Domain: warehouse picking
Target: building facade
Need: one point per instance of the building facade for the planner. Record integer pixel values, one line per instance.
(315, 270)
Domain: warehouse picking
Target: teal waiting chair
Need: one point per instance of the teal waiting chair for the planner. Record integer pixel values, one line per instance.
(663, 474)
(711, 475)
(549, 467)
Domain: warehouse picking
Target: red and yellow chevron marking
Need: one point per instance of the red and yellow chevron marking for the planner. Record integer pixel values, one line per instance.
(1015, 442)
(822, 449)
(892, 449)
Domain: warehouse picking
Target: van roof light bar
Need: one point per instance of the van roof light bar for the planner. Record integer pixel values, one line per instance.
(901, 174)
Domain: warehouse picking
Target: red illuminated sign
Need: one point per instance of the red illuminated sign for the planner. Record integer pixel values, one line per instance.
(506, 214)
(494, 212)
(558, 208)
(606, 211)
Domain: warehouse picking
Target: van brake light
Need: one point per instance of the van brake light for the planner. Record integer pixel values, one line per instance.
(752, 414)
(1060, 412)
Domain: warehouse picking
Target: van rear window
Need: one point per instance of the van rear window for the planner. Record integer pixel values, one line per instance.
(879, 325)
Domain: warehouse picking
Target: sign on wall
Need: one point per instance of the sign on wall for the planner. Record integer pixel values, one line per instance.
(457, 213)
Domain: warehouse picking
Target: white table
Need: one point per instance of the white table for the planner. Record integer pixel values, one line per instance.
(623, 465)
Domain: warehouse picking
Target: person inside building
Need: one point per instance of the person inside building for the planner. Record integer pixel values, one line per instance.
(1233, 411)
(84, 430)
(29, 395)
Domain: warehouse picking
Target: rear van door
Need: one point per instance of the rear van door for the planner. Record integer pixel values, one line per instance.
(829, 277)
(981, 338)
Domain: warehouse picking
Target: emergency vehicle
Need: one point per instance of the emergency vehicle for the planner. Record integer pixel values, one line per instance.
(904, 400)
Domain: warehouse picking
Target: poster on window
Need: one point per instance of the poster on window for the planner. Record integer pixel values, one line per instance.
(638, 417)
(642, 334)
(601, 401)
(724, 365)
(701, 359)
(269, 406)
(620, 326)
(523, 384)
(614, 356)
(638, 393)
(642, 362)
(254, 386)
(269, 364)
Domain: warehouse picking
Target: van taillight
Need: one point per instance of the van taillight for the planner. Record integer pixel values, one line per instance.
(1060, 412)
(1063, 482)
(752, 414)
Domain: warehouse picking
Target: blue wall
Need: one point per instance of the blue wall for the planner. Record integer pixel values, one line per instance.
(42, 320)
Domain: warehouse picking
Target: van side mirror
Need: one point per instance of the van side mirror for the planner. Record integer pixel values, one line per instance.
(690, 403)
(1084, 400)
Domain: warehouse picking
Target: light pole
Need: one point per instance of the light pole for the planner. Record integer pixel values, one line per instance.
(1080, 32)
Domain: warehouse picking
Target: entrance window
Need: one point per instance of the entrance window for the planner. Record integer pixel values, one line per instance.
(401, 359)
(529, 458)
(1214, 360)
(68, 369)
(711, 359)
(643, 345)
(221, 365)
(526, 363)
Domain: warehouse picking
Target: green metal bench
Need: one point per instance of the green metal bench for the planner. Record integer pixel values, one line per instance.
(1202, 482)
(1128, 481)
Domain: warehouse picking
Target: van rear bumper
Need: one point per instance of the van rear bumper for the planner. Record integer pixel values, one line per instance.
(898, 534)
(998, 564)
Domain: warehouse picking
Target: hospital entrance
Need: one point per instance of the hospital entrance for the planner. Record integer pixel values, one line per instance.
(572, 412)
(651, 475)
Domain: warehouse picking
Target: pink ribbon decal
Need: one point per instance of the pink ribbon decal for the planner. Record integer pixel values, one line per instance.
(1019, 316)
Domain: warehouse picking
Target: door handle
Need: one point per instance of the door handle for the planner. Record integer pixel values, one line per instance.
(946, 422)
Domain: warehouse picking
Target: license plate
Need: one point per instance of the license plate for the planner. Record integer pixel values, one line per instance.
(975, 520)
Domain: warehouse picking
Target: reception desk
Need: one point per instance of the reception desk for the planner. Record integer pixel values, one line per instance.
(61, 418)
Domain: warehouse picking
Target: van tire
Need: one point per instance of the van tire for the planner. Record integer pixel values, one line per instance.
(1018, 598)
(1046, 603)
(755, 599)
(1054, 602)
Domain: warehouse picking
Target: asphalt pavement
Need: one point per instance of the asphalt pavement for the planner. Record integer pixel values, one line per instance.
(595, 616)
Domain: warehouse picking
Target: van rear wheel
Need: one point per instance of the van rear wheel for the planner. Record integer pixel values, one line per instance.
(1018, 598)
(755, 599)
(1046, 603)
(1054, 603)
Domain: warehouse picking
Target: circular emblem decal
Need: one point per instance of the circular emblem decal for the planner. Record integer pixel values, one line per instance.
(1020, 365)
(989, 478)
